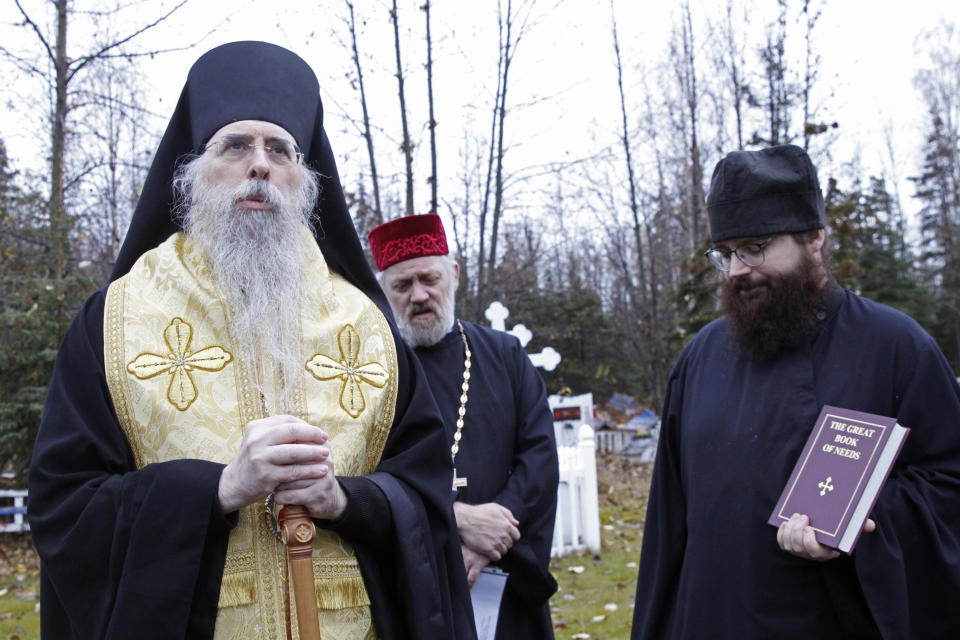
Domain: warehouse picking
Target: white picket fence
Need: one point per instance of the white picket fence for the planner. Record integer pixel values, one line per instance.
(613, 440)
(577, 526)
(12, 510)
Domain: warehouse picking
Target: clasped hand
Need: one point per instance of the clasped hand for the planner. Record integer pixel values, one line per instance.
(286, 456)
(488, 529)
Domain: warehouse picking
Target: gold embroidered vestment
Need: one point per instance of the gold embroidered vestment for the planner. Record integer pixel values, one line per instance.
(182, 388)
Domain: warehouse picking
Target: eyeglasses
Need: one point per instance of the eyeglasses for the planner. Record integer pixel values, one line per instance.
(749, 253)
(238, 147)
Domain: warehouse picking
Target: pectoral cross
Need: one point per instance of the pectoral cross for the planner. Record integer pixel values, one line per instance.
(458, 483)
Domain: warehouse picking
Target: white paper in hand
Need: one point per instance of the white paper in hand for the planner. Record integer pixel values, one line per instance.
(486, 595)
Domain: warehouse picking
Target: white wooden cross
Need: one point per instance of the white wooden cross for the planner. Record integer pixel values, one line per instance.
(548, 358)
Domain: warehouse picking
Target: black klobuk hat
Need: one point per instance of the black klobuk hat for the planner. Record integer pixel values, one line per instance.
(250, 81)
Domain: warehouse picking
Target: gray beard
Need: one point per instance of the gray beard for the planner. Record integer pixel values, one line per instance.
(427, 334)
(257, 259)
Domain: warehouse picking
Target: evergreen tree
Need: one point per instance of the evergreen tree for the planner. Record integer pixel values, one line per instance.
(35, 309)
(938, 185)
(598, 355)
(695, 298)
(869, 254)
(937, 189)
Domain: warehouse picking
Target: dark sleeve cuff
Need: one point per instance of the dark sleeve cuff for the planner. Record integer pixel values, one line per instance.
(219, 519)
(367, 519)
(515, 504)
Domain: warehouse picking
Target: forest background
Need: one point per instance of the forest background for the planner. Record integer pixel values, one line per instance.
(567, 144)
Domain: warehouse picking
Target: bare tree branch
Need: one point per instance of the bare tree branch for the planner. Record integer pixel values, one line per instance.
(33, 25)
(103, 50)
(143, 54)
(22, 63)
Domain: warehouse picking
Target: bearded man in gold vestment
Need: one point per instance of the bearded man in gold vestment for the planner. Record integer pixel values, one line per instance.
(242, 358)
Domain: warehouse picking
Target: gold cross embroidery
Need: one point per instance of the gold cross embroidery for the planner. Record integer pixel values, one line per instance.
(179, 363)
(349, 370)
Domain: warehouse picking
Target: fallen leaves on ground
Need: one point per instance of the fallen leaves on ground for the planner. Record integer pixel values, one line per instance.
(596, 589)
(18, 562)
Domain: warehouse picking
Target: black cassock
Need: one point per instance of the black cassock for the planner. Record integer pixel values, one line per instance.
(508, 454)
(139, 553)
(732, 430)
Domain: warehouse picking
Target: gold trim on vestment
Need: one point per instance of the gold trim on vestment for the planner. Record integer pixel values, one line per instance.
(170, 292)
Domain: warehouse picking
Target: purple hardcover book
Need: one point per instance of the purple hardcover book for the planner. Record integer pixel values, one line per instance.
(839, 474)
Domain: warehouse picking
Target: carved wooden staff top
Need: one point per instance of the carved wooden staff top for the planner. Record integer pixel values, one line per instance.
(298, 531)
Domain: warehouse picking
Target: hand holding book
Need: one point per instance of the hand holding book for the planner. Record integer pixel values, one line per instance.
(797, 537)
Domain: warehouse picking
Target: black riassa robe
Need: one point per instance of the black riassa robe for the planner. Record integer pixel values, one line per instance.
(508, 454)
(731, 432)
(131, 553)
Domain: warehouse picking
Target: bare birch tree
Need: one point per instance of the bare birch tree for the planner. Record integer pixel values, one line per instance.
(683, 48)
(66, 71)
(367, 130)
(485, 200)
(433, 121)
(407, 145)
(112, 162)
(779, 98)
(501, 109)
(628, 162)
(514, 25)
(732, 63)
(811, 13)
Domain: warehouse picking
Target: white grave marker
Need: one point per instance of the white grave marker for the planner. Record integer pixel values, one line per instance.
(547, 359)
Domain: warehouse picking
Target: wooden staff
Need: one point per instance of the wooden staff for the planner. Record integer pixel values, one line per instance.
(298, 532)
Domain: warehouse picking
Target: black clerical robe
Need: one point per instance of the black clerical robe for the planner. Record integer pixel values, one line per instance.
(131, 553)
(508, 454)
(732, 430)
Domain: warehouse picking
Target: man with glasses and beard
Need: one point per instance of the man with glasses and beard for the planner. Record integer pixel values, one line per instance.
(499, 425)
(242, 358)
(740, 405)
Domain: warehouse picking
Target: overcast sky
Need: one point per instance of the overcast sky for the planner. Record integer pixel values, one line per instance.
(563, 71)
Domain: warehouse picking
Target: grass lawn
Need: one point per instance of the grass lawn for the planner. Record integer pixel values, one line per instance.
(595, 600)
(19, 588)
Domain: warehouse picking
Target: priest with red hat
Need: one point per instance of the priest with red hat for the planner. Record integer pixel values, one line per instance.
(499, 426)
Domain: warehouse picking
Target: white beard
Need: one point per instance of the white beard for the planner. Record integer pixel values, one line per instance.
(257, 259)
(418, 333)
